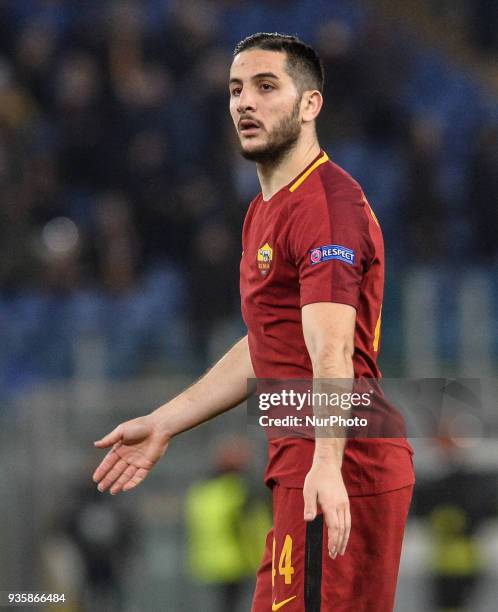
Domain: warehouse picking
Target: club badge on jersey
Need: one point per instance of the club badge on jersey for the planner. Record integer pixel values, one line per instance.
(264, 259)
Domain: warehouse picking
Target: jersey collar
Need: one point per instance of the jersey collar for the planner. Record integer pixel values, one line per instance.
(297, 182)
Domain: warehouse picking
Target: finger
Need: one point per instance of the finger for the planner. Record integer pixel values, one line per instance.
(332, 522)
(123, 479)
(105, 465)
(310, 495)
(140, 474)
(347, 530)
(111, 477)
(110, 439)
(341, 521)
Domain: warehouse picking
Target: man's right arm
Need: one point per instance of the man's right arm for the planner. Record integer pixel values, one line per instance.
(138, 444)
(223, 387)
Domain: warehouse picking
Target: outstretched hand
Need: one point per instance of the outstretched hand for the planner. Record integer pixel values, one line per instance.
(136, 447)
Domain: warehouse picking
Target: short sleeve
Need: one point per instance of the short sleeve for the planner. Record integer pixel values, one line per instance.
(330, 245)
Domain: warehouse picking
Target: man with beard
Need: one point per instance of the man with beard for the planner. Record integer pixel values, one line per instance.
(311, 280)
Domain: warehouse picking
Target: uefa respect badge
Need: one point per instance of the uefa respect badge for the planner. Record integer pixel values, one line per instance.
(332, 251)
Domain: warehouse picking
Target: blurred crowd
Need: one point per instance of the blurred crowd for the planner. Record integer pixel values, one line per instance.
(122, 193)
(478, 19)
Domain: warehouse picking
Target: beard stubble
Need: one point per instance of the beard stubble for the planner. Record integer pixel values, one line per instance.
(282, 139)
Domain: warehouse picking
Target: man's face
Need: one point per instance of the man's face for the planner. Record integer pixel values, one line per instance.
(264, 105)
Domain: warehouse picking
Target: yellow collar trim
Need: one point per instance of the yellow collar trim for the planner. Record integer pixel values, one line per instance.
(324, 158)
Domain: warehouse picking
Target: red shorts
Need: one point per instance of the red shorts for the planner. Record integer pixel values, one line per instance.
(297, 575)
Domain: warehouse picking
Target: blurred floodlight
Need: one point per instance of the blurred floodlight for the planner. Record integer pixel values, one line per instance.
(60, 235)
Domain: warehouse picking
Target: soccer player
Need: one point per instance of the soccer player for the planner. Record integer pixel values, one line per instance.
(311, 281)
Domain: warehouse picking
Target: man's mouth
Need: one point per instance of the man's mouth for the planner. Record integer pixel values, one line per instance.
(248, 127)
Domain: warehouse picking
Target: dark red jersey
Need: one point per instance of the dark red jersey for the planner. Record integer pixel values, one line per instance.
(317, 240)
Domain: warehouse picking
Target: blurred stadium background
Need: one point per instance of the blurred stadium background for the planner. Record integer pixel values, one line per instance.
(121, 201)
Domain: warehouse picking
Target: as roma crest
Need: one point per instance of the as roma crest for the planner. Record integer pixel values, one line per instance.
(265, 255)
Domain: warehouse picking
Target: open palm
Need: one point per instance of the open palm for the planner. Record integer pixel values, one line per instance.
(136, 448)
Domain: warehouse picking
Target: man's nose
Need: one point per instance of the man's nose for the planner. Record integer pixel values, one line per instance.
(246, 101)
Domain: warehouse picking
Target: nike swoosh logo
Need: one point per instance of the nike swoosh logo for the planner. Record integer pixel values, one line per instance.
(277, 606)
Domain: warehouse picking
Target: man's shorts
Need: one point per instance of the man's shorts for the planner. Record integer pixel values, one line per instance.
(297, 575)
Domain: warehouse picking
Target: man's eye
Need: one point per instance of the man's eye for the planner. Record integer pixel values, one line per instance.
(266, 87)
(236, 91)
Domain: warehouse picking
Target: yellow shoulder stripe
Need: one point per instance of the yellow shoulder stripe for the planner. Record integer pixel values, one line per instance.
(377, 331)
(324, 158)
(374, 216)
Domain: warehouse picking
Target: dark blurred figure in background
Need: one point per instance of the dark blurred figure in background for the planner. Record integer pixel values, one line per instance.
(456, 503)
(484, 20)
(481, 198)
(105, 535)
(213, 283)
(424, 210)
(78, 107)
(117, 245)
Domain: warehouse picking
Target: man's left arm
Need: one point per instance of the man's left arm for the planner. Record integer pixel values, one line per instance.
(328, 330)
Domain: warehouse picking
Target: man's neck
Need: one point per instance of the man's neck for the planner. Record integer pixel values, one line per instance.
(273, 178)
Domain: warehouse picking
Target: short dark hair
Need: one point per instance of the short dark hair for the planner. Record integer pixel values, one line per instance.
(303, 63)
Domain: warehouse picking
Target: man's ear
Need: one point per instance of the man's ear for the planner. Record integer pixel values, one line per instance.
(311, 105)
